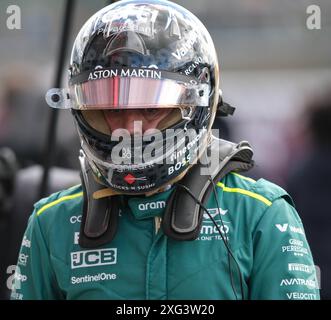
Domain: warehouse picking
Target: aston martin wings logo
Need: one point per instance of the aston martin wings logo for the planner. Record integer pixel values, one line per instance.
(215, 212)
(282, 228)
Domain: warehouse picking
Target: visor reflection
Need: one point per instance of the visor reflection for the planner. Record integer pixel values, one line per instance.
(126, 93)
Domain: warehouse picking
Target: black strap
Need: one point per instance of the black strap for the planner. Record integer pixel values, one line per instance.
(183, 215)
(99, 221)
(100, 217)
(225, 110)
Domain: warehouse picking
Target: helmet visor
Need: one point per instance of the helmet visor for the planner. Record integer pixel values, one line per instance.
(133, 89)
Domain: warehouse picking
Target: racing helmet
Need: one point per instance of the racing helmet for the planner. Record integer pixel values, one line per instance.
(147, 55)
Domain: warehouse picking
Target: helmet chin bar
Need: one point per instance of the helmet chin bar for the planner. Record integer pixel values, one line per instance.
(145, 177)
(149, 174)
(182, 219)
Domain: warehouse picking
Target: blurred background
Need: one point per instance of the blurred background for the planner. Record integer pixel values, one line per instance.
(274, 70)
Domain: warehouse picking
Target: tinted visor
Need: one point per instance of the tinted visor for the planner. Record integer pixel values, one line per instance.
(133, 89)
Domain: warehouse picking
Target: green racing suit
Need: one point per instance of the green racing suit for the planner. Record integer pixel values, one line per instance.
(264, 231)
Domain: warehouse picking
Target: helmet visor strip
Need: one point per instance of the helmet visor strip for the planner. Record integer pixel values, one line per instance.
(109, 89)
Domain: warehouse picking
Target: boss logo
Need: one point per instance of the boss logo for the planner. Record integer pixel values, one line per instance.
(92, 258)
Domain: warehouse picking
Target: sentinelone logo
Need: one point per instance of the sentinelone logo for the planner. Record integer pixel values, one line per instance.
(92, 258)
(94, 278)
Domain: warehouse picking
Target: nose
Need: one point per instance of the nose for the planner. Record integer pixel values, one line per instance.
(130, 120)
(133, 122)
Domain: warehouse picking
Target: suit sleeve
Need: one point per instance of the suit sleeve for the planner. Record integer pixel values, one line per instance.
(283, 267)
(34, 278)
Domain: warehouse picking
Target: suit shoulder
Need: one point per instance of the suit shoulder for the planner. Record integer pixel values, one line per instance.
(66, 200)
(261, 190)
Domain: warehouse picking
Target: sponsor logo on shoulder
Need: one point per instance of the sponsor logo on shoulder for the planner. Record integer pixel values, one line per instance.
(297, 230)
(93, 258)
(20, 277)
(23, 259)
(309, 283)
(301, 296)
(295, 246)
(301, 267)
(284, 227)
(26, 242)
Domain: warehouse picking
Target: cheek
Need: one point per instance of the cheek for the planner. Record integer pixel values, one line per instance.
(113, 119)
(126, 120)
(153, 121)
(150, 124)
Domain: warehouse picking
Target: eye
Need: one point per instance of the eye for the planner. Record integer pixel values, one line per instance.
(113, 111)
(151, 111)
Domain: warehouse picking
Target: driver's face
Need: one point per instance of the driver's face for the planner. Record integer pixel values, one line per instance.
(124, 119)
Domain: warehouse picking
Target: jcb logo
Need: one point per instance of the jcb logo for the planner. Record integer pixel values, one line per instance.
(91, 258)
